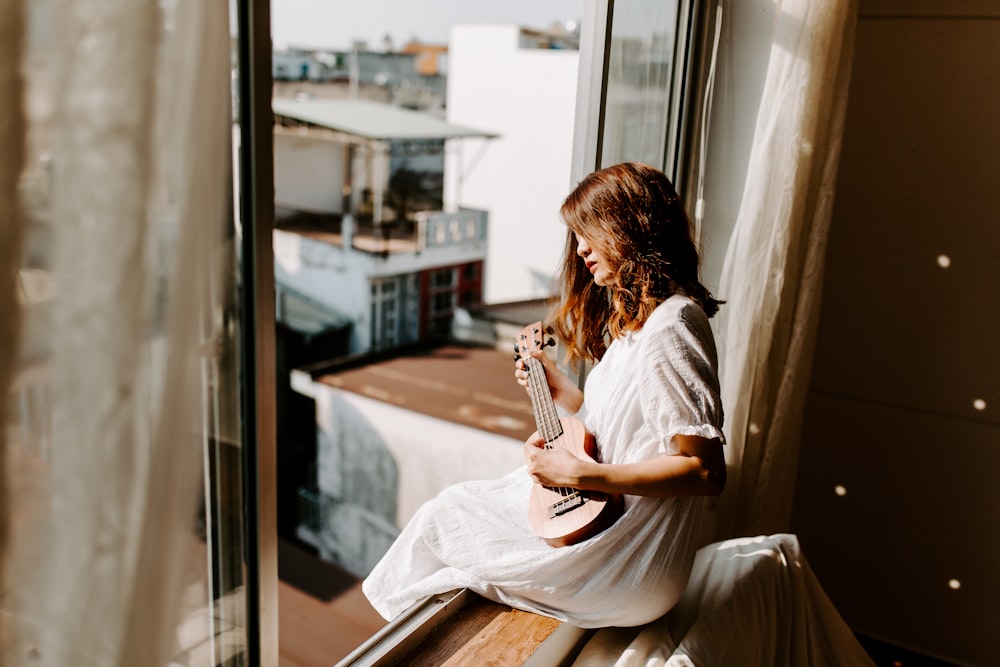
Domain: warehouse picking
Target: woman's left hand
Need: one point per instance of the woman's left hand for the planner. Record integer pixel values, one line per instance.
(552, 467)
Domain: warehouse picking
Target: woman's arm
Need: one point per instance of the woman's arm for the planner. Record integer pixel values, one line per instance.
(698, 470)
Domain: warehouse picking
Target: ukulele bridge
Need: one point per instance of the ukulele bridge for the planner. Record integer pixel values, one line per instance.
(570, 502)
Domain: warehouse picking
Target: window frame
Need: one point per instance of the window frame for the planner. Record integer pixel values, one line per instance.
(686, 96)
(256, 195)
(254, 178)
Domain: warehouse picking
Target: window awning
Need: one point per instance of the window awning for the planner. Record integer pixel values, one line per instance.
(372, 120)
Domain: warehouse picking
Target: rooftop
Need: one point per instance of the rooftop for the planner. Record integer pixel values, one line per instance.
(468, 385)
(521, 313)
(371, 120)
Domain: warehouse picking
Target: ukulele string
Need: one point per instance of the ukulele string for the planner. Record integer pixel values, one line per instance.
(549, 425)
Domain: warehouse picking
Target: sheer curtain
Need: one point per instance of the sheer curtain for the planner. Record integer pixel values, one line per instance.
(754, 599)
(137, 132)
(773, 272)
(12, 147)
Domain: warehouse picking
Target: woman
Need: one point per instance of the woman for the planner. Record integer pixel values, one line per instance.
(632, 301)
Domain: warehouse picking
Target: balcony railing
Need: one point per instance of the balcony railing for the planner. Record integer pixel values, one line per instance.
(438, 228)
(425, 230)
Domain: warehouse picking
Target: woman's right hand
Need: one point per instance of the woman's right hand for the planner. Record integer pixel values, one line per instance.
(564, 391)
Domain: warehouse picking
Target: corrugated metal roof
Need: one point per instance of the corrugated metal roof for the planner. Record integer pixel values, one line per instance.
(372, 120)
(471, 385)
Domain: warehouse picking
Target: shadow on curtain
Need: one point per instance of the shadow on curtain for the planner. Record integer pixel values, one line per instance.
(773, 272)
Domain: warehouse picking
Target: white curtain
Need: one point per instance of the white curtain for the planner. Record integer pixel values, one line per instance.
(773, 272)
(137, 132)
(12, 146)
(754, 600)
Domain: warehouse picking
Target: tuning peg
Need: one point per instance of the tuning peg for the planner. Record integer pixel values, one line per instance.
(517, 357)
(516, 348)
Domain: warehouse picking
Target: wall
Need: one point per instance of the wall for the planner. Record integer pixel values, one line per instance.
(325, 273)
(528, 97)
(378, 463)
(897, 506)
(309, 173)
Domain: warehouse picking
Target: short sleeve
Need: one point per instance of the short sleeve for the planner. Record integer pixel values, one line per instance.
(679, 384)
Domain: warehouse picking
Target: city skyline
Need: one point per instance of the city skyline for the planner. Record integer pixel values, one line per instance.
(336, 24)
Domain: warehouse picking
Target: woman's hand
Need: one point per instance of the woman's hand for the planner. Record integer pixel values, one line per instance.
(564, 391)
(698, 470)
(552, 467)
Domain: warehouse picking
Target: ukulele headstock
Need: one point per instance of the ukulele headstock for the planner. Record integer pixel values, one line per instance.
(532, 337)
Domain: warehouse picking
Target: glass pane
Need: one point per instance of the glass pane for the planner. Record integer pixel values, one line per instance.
(640, 82)
(90, 403)
(463, 223)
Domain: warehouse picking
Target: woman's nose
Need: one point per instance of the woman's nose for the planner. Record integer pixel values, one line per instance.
(582, 249)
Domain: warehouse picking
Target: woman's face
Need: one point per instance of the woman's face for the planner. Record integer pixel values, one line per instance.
(596, 260)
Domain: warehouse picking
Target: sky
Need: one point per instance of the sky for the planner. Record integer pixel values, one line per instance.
(335, 24)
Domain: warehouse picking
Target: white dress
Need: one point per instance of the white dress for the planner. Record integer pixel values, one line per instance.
(651, 385)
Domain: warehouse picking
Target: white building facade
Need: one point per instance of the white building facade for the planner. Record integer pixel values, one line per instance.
(499, 79)
(360, 223)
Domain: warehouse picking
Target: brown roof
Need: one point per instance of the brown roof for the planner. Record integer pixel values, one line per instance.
(466, 385)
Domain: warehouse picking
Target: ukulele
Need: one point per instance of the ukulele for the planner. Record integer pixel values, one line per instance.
(561, 515)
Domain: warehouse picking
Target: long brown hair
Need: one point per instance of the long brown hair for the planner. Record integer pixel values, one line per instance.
(632, 214)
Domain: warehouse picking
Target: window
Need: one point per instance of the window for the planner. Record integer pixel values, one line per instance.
(637, 100)
(443, 278)
(412, 319)
(385, 329)
(442, 303)
(638, 108)
(471, 272)
(640, 78)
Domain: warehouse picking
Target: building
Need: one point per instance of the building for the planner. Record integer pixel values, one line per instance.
(413, 78)
(361, 225)
(363, 65)
(393, 433)
(432, 59)
(522, 84)
(291, 64)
